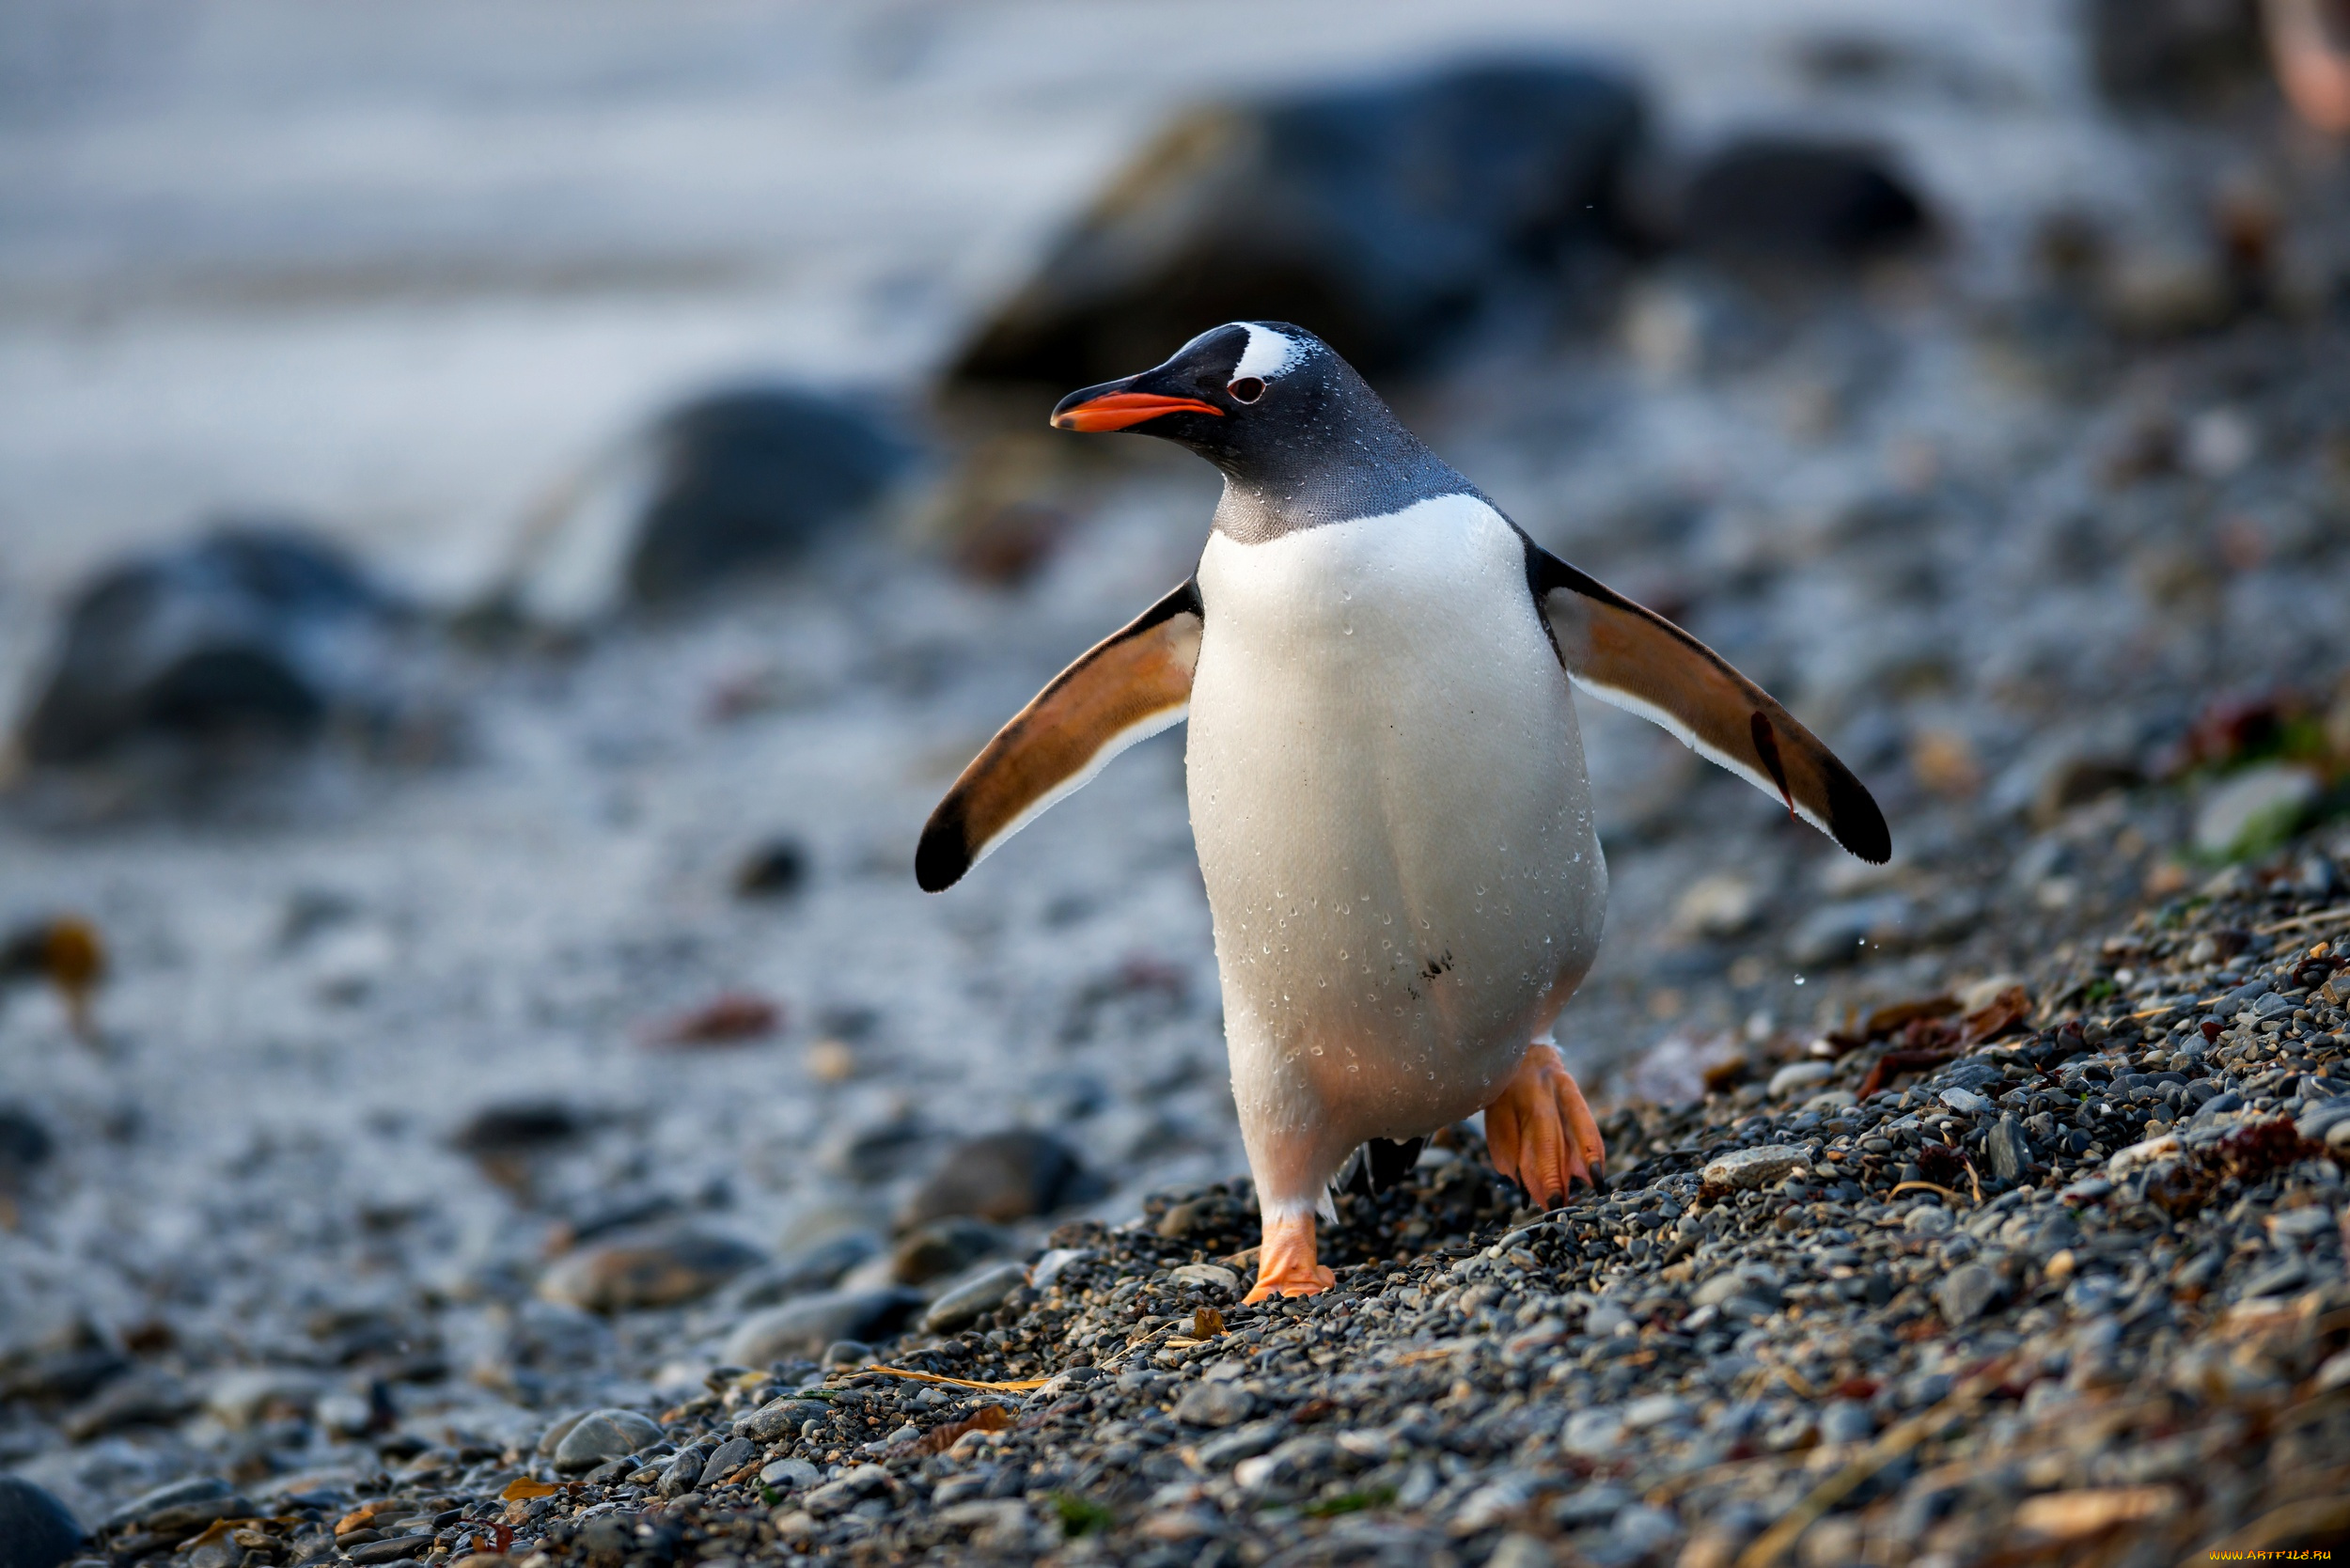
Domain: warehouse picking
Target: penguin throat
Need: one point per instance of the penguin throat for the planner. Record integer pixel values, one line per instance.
(1269, 495)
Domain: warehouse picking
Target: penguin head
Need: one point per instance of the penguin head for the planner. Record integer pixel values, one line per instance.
(1232, 393)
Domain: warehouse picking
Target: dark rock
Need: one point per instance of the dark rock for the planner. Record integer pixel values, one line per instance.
(663, 1271)
(964, 1303)
(804, 1327)
(390, 1550)
(1779, 201)
(1002, 1177)
(26, 1146)
(1216, 1404)
(602, 1435)
(147, 1399)
(148, 1505)
(684, 1472)
(2011, 1154)
(776, 869)
(739, 479)
(1966, 1292)
(1377, 216)
(257, 630)
(942, 1248)
(817, 1268)
(2179, 54)
(35, 1530)
(780, 1417)
(732, 1455)
(525, 1126)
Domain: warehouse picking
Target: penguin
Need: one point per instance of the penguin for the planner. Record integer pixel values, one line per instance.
(1385, 777)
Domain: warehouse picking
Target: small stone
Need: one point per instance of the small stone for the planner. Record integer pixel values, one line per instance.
(1846, 1421)
(779, 1418)
(602, 1435)
(1928, 1219)
(732, 1455)
(1643, 1528)
(391, 1549)
(2011, 1155)
(665, 1271)
(804, 1327)
(35, 1530)
(964, 1303)
(790, 1475)
(1002, 1177)
(1217, 1404)
(1749, 1170)
(148, 1506)
(1209, 1275)
(1797, 1076)
(940, 1248)
(684, 1472)
(1592, 1434)
(1966, 1101)
(1596, 1504)
(1966, 1292)
(837, 1496)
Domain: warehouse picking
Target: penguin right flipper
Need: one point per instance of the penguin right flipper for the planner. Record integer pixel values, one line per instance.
(1633, 658)
(1128, 687)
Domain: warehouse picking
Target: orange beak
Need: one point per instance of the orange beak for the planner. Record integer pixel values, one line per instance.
(1115, 411)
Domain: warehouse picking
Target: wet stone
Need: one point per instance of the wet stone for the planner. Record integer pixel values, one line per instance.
(35, 1530)
(602, 1435)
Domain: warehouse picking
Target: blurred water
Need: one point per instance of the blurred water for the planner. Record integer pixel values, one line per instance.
(397, 268)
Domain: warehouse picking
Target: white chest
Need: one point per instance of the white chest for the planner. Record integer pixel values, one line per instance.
(1392, 814)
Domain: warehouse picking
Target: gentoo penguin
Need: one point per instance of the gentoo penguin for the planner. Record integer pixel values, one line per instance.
(1386, 780)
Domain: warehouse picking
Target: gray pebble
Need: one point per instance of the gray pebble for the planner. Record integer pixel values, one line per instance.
(602, 1435)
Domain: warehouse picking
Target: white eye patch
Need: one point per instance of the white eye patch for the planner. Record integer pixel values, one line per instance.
(1269, 352)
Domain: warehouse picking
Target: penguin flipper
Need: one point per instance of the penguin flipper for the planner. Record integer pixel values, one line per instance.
(1633, 658)
(1128, 687)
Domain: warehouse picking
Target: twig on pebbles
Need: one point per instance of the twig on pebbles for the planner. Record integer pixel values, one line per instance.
(1772, 1543)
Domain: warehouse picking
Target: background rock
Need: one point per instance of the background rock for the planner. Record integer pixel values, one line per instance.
(1378, 216)
(742, 480)
(35, 1530)
(260, 630)
(1002, 1177)
(652, 1271)
(806, 1327)
(1777, 200)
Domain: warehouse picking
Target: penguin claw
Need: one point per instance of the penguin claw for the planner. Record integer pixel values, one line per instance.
(1540, 1131)
(1285, 1261)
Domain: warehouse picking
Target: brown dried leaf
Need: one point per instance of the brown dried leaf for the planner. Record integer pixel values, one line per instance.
(987, 1417)
(731, 1019)
(524, 1489)
(2009, 1009)
(1206, 1322)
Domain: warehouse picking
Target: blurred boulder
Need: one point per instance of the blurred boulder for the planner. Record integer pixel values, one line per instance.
(1002, 1177)
(35, 1530)
(258, 630)
(650, 1270)
(26, 1146)
(1783, 202)
(1377, 215)
(739, 479)
(806, 1327)
(941, 1248)
(803, 1273)
(2177, 55)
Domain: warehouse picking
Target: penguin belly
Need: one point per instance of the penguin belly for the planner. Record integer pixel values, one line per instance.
(1394, 822)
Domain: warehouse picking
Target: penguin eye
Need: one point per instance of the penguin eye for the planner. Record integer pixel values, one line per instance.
(1246, 390)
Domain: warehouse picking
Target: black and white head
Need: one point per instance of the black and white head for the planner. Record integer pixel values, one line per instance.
(1299, 435)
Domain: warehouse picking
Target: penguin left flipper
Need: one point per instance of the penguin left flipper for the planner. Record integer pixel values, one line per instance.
(1633, 658)
(1128, 687)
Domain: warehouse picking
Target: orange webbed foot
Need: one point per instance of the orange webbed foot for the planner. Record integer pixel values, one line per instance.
(1541, 1132)
(1285, 1261)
